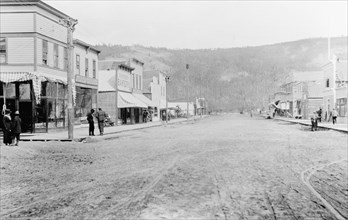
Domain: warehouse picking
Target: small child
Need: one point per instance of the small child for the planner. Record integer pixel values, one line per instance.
(16, 129)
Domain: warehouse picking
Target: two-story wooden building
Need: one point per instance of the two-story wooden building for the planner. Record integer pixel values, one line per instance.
(34, 61)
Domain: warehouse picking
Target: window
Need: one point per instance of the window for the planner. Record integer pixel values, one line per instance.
(65, 59)
(44, 52)
(55, 55)
(78, 64)
(136, 81)
(140, 83)
(94, 69)
(86, 67)
(327, 83)
(342, 107)
(2, 50)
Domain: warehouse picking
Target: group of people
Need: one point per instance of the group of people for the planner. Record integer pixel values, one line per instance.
(317, 116)
(11, 127)
(101, 116)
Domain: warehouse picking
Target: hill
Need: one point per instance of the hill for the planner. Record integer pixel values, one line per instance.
(233, 78)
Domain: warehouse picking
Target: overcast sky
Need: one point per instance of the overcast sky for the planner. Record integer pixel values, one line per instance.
(203, 24)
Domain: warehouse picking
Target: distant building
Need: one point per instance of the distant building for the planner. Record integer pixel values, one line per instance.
(123, 78)
(338, 88)
(301, 94)
(156, 91)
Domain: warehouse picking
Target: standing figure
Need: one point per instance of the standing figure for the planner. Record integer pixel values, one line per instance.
(334, 116)
(91, 122)
(6, 122)
(101, 116)
(320, 111)
(314, 121)
(16, 129)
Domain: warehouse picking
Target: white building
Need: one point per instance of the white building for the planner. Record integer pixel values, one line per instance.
(335, 89)
(157, 92)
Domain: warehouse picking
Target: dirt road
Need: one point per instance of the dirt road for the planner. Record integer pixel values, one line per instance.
(221, 167)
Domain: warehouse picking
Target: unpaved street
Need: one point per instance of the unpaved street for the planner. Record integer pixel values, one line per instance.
(222, 167)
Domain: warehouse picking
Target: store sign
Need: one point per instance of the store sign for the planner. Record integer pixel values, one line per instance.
(123, 81)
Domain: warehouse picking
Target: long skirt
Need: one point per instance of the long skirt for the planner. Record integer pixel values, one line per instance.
(7, 137)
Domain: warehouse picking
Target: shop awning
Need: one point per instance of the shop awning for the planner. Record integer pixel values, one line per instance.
(9, 77)
(127, 100)
(144, 99)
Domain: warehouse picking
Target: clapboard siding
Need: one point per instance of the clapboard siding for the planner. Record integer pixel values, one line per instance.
(50, 28)
(17, 22)
(15, 68)
(20, 50)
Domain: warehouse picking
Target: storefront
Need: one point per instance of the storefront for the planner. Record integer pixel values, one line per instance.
(40, 100)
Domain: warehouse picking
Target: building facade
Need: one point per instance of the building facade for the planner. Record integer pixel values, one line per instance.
(34, 64)
(120, 88)
(335, 89)
(157, 93)
(86, 79)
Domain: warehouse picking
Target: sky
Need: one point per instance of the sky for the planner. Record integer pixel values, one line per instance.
(203, 24)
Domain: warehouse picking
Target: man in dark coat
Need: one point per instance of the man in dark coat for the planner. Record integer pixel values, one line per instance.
(6, 124)
(16, 129)
(101, 116)
(91, 122)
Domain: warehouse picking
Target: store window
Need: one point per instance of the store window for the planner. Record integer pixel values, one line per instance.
(83, 101)
(44, 52)
(10, 90)
(3, 50)
(24, 91)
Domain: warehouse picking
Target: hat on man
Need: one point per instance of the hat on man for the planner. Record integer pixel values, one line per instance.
(17, 113)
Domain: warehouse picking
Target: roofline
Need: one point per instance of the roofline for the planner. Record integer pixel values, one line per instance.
(37, 3)
(136, 60)
(88, 46)
(123, 64)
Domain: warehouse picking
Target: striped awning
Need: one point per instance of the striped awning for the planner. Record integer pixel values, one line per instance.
(9, 77)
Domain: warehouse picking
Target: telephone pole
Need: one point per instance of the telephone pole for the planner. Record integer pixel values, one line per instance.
(167, 80)
(70, 23)
(187, 88)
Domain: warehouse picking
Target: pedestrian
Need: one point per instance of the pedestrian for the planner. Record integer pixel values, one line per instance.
(334, 116)
(314, 121)
(16, 129)
(91, 122)
(6, 123)
(101, 116)
(319, 112)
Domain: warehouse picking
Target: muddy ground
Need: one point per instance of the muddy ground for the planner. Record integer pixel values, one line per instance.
(221, 167)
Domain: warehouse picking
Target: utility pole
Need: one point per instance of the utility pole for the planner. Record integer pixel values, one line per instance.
(200, 94)
(187, 87)
(167, 80)
(70, 23)
(116, 97)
